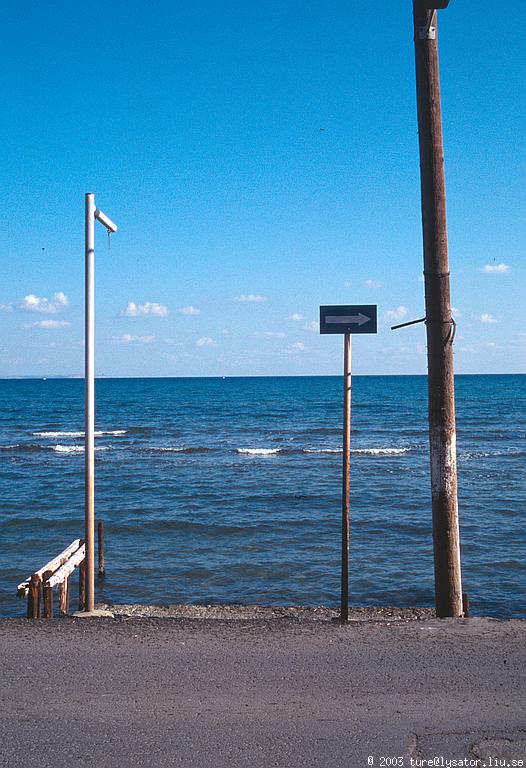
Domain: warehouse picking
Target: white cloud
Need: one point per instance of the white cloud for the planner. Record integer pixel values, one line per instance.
(298, 346)
(296, 317)
(313, 326)
(226, 332)
(456, 312)
(205, 341)
(487, 318)
(151, 308)
(189, 311)
(274, 334)
(127, 338)
(6, 307)
(397, 314)
(372, 284)
(32, 303)
(347, 284)
(49, 324)
(496, 268)
(250, 297)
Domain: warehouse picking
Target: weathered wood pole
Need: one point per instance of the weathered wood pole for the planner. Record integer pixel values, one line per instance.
(100, 540)
(346, 478)
(33, 597)
(48, 596)
(63, 593)
(82, 586)
(439, 323)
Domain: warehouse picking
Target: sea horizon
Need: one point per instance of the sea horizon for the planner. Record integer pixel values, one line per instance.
(251, 376)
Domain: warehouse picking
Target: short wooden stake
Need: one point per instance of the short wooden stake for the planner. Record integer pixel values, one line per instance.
(48, 596)
(63, 590)
(82, 585)
(100, 538)
(465, 605)
(33, 598)
(68, 584)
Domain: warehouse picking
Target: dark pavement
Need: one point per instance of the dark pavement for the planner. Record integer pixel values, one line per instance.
(165, 692)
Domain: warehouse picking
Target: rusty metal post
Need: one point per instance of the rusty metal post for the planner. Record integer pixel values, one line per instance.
(439, 323)
(33, 597)
(100, 541)
(346, 478)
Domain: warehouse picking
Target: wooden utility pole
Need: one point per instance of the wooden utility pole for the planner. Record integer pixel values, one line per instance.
(439, 323)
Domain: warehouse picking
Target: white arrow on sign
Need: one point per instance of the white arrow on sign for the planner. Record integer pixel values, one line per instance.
(358, 319)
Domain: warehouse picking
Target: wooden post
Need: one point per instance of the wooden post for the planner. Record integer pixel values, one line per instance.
(48, 596)
(82, 585)
(346, 480)
(33, 598)
(63, 591)
(100, 539)
(439, 323)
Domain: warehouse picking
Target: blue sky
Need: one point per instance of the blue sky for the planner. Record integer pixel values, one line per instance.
(198, 126)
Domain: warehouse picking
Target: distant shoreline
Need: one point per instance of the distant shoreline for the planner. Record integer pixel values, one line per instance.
(79, 377)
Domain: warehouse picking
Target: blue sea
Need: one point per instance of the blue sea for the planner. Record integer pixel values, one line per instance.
(229, 490)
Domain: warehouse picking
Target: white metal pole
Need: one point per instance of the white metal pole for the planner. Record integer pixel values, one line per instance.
(89, 413)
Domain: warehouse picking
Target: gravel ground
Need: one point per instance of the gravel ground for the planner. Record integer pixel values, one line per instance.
(250, 612)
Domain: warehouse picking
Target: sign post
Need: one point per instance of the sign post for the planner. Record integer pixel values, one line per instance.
(91, 213)
(347, 320)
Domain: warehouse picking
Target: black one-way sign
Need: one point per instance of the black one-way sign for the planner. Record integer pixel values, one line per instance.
(350, 318)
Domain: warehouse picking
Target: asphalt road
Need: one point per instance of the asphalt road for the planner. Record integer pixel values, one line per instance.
(164, 692)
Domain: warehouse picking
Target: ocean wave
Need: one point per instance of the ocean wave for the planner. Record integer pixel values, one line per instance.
(74, 448)
(179, 449)
(259, 451)
(490, 454)
(98, 433)
(380, 451)
(362, 451)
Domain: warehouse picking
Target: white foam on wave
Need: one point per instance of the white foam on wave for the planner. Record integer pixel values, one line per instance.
(362, 451)
(380, 451)
(98, 433)
(491, 454)
(259, 451)
(76, 448)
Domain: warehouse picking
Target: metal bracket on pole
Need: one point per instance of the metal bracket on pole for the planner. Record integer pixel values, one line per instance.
(411, 322)
(428, 33)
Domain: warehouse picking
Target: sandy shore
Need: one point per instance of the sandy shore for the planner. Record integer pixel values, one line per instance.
(223, 686)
